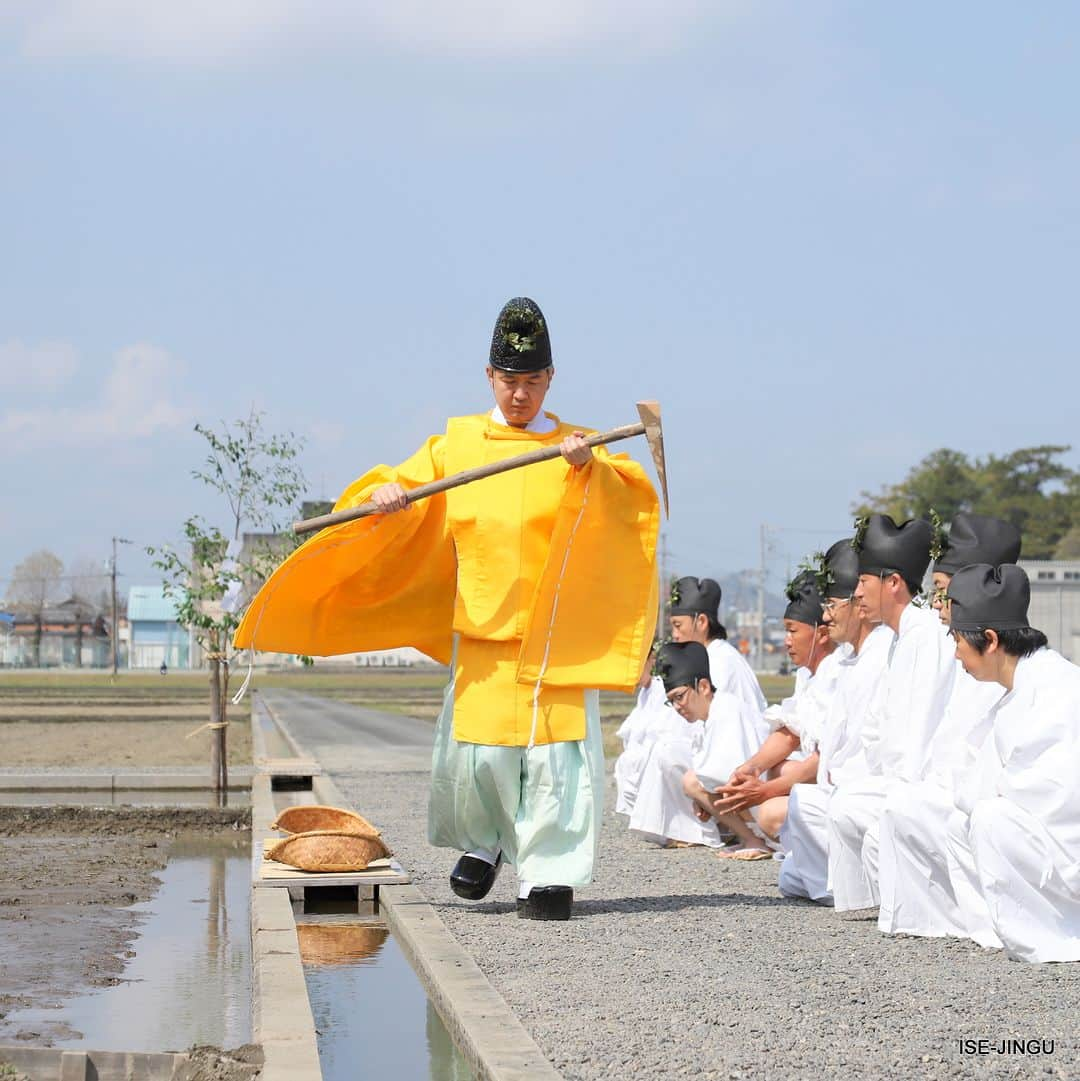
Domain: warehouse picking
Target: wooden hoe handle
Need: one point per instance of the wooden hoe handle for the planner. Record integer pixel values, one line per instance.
(467, 476)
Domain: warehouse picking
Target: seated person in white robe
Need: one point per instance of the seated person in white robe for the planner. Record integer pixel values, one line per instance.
(761, 784)
(694, 616)
(660, 811)
(1019, 850)
(684, 667)
(861, 651)
(913, 867)
(908, 704)
(650, 720)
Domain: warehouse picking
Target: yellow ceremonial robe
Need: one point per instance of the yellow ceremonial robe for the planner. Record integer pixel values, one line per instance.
(546, 574)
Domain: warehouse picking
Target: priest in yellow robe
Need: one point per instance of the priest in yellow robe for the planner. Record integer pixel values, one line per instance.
(537, 586)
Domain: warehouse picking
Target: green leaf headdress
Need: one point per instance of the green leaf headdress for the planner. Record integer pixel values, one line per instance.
(522, 329)
(862, 523)
(940, 540)
(816, 565)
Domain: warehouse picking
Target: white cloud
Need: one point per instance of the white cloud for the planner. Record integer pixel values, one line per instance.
(200, 31)
(133, 401)
(44, 366)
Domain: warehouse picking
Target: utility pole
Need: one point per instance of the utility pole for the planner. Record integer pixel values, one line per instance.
(115, 612)
(761, 600)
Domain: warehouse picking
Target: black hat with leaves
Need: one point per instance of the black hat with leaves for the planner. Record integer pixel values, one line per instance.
(887, 548)
(977, 538)
(520, 342)
(692, 595)
(682, 664)
(804, 599)
(982, 596)
(841, 564)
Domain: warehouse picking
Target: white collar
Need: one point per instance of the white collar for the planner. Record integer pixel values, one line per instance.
(541, 424)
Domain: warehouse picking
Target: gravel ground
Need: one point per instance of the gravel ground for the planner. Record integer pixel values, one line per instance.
(678, 964)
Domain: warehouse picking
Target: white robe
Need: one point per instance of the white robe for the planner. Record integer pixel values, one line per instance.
(731, 674)
(914, 883)
(904, 714)
(804, 712)
(1023, 832)
(650, 719)
(804, 834)
(662, 810)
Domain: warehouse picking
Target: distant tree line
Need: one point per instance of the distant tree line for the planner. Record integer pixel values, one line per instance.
(1030, 487)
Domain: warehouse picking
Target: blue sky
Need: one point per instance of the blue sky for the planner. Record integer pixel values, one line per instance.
(828, 238)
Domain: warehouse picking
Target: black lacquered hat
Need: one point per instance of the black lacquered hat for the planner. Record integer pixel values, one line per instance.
(982, 596)
(520, 342)
(887, 548)
(682, 664)
(842, 569)
(692, 595)
(977, 538)
(804, 599)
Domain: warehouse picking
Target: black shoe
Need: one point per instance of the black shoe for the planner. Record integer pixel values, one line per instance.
(546, 903)
(472, 877)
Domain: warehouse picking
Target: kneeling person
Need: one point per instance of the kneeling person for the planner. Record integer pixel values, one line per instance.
(684, 668)
(789, 756)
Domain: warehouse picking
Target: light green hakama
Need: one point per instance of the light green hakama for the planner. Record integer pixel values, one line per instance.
(541, 807)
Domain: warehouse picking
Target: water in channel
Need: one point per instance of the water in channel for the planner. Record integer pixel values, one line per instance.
(190, 979)
(372, 1016)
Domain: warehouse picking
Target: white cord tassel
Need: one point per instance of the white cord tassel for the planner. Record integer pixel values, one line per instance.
(551, 623)
(247, 679)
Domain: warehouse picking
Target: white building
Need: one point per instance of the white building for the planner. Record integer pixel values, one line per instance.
(1055, 603)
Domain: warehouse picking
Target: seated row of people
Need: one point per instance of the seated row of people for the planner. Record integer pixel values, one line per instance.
(923, 765)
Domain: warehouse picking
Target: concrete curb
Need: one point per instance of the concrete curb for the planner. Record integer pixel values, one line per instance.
(281, 1019)
(485, 1029)
(282, 1023)
(49, 1064)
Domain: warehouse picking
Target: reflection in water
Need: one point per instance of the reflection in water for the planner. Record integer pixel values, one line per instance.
(190, 979)
(338, 943)
(371, 1013)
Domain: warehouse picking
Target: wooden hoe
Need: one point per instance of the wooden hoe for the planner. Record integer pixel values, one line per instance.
(649, 426)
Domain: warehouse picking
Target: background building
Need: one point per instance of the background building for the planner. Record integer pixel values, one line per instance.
(154, 633)
(1055, 603)
(72, 634)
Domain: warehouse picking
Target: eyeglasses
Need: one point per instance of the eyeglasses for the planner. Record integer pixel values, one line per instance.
(677, 698)
(829, 605)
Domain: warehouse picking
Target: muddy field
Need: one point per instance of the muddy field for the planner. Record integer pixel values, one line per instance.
(70, 877)
(119, 742)
(88, 724)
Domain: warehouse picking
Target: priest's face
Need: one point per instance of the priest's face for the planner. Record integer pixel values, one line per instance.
(799, 641)
(520, 395)
(841, 618)
(868, 597)
(981, 666)
(691, 702)
(938, 599)
(690, 628)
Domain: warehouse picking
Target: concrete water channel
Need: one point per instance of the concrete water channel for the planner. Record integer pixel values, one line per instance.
(332, 982)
